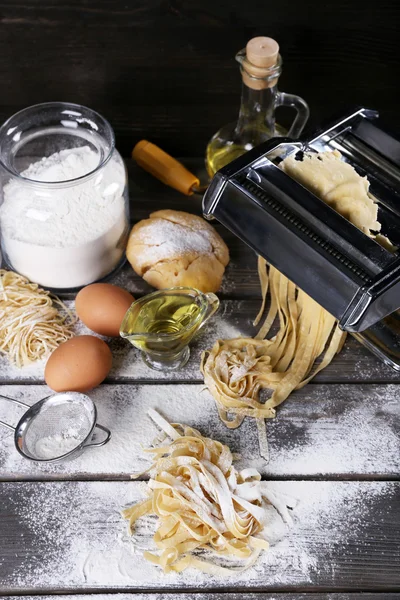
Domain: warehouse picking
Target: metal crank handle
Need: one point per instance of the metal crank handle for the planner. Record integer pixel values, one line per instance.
(14, 402)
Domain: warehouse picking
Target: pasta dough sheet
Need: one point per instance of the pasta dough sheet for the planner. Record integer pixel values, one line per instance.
(338, 184)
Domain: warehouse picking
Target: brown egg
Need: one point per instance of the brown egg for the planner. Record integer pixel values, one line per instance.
(78, 365)
(102, 306)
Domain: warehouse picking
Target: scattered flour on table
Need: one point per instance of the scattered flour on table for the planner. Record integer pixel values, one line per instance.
(345, 432)
(80, 539)
(317, 439)
(124, 410)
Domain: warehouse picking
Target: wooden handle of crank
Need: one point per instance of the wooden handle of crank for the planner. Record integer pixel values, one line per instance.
(164, 167)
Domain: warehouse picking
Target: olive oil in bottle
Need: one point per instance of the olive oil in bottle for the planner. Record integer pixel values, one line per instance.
(260, 66)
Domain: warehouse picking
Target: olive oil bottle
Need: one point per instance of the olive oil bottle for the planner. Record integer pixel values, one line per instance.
(260, 66)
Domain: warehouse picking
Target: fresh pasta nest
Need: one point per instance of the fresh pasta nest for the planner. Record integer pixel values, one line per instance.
(31, 326)
(237, 371)
(203, 503)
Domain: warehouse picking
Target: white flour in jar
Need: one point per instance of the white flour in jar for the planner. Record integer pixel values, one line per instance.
(65, 236)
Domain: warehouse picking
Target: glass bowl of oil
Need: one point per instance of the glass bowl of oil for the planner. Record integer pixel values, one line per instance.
(162, 325)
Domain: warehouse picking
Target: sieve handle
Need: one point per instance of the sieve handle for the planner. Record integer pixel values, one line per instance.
(106, 439)
(14, 402)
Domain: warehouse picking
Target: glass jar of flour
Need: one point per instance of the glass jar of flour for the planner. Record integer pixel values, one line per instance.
(64, 212)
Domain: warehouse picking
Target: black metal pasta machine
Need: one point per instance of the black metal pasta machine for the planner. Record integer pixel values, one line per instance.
(347, 272)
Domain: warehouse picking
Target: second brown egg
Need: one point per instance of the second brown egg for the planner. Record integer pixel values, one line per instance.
(102, 307)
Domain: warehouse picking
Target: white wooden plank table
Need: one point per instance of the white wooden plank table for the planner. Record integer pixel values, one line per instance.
(334, 448)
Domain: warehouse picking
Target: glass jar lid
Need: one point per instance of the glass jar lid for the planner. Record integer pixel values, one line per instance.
(43, 130)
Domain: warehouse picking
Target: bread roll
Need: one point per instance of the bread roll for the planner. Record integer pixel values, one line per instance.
(174, 248)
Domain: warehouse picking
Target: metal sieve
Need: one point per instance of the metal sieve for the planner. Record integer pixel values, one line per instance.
(56, 427)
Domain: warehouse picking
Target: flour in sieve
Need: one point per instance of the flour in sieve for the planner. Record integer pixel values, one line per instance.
(65, 235)
(53, 446)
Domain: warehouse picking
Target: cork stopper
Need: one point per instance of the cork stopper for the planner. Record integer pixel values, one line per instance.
(262, 52)
(261, 55)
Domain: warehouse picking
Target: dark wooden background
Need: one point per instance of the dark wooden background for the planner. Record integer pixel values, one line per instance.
(165, 69)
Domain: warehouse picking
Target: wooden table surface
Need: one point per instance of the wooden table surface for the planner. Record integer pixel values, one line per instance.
(334, 449)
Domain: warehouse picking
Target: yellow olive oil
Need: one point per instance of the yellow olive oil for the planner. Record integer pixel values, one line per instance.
(223, 148)
(217, 156)
(170, 314)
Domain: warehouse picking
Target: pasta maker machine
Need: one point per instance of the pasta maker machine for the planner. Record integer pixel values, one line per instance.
(347, 272)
